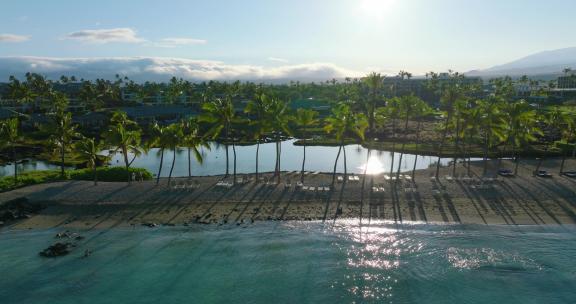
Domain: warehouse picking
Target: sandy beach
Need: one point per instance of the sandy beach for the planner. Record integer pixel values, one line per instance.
(520, 200)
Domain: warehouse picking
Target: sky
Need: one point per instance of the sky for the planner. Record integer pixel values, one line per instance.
(268, 38)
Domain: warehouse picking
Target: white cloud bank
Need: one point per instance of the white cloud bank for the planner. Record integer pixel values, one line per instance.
(125, 35)
(161, 69)
(13, 38)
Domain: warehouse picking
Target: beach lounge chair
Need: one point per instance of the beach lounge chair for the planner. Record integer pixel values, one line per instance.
(386, 177)
(356, 178)
(408, 177)
(449, 178)
(299, 185)
(305, 188)
(571, 174)
(542, 173)
(316, 173)
(340, 179)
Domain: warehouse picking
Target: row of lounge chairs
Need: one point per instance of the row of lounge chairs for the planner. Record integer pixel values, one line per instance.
(351, 178)
(398, 177)
(184, 185)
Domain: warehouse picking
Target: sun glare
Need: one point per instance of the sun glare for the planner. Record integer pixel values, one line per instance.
(373, 166)
(376, 8)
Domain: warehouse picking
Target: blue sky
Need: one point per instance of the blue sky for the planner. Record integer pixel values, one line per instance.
(354, 35)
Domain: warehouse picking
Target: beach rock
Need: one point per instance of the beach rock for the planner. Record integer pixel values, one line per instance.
(56, 250)
(151, 225)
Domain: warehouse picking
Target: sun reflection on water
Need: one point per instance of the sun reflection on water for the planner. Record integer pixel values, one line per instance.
(373, 166)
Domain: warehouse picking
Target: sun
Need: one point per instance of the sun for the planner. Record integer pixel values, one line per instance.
(376, 8)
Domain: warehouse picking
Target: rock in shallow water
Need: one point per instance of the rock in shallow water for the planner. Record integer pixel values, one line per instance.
(56, 250)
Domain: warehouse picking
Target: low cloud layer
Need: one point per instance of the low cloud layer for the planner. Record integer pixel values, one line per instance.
(126, 35)
(13, 38)
(161, 69)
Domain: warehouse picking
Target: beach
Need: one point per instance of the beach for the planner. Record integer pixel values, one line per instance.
(520, 200)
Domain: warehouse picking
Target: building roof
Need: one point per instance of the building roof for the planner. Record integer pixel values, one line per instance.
(157, 110)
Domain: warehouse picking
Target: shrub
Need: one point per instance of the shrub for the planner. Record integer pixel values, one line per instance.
(105, 174)
(108, 174)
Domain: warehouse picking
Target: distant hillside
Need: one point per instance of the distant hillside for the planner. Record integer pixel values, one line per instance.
(544, 64)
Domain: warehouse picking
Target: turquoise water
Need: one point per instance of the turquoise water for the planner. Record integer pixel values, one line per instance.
(296, 262)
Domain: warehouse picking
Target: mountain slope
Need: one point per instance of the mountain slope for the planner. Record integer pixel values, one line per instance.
(543, 63)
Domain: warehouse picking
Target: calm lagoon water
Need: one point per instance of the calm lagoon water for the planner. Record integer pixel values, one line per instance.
(318, 158)
(295, 262)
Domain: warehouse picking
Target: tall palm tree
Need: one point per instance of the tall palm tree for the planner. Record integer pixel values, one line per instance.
(392, 112)
(304, 119)
(61, 128)
(124, 136)
(9, 136)
(375, 81)
(522, 127)
(492, 126)
(421, 109)
(554, 119)
(344, 122)
(173, 139)
(88, 150)
(408, 107)
(193, 140)
(280, 118)
(159, 139)
(568, 137)
(260, 121)
(219, 114)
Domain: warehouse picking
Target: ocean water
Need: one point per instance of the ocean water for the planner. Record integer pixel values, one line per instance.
(296, 262)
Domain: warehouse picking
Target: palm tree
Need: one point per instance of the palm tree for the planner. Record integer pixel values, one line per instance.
(61, 128)
(173, 138)
(219, 113)
(304, 119)
(9, 136)
(280, 118)
(124, 135)
(522, 128)
(343, 122)
(568, 137)
(392, 112)
(554, 119)
(88, 150)
(259, 121)
(193, 141)
(409, 107)
(491, 123)
(374, 81)
(159, 140)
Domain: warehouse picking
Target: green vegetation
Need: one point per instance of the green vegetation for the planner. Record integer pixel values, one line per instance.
(457, 120)
(111, 174)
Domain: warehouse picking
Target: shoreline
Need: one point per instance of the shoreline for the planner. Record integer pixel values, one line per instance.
(522, 200)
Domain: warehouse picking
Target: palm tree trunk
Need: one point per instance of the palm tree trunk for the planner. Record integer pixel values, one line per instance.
(15, 164)
(541, 160)
(563, 161)
(95, 174)
(393, 146)
(189, 164)
(227, 163)
(486, 145)
(444, 134)
(161, 163)
(172, 167)
(257, 152)
(456, 146)
(335, 164)
(403, 147)
(62, 152)
(125, 152)
(234, 153)
(279, 158)
(516, 159)
(345, 161)
(417, 145)
(303, 162)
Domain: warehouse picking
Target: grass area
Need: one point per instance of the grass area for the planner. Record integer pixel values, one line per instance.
(431, 149)
(105, 174)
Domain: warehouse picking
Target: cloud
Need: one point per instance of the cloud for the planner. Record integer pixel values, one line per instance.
(13, 38)
(276, 59)
(125, 35)
(182, 41)
(161, 69)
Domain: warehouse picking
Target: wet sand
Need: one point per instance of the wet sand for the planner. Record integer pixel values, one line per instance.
(520, 200)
